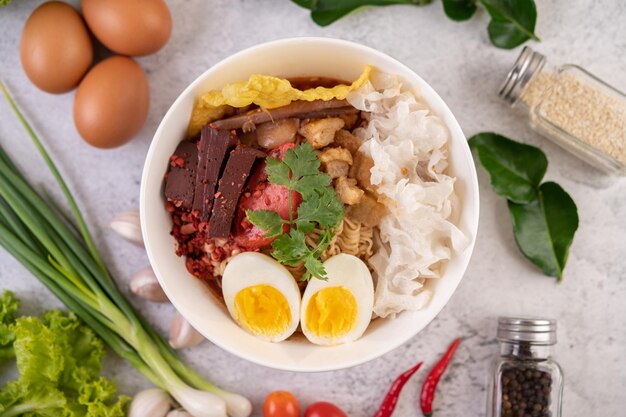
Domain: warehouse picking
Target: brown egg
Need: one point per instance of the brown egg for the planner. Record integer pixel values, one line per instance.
(111, 103)
(55, 49)
(129, 27)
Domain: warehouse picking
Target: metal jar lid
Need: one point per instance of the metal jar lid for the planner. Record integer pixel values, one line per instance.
(533, 330)
(527, 65)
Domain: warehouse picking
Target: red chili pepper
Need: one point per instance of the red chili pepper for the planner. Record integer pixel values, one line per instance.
(430, 384)
(389, 403)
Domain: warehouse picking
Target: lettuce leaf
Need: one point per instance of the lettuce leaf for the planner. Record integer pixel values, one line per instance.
(59, 362)
(8, 309)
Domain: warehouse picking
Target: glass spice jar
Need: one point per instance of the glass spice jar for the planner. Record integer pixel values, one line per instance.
(572, 107)
(525, 381)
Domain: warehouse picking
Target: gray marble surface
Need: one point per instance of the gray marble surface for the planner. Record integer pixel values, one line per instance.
(458, 61)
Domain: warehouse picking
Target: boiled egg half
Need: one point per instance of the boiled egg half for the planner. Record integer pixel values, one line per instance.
(339, 309)
(261, 296)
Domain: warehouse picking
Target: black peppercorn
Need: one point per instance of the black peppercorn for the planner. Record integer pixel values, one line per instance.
(525, 390)
(526, 381)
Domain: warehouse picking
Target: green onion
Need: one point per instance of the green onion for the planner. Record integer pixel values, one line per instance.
(61, 253)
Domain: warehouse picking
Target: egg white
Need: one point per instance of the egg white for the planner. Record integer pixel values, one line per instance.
(251, 268)
(349, 272)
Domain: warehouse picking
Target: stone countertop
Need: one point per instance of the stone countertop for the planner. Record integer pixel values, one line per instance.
(465, 69)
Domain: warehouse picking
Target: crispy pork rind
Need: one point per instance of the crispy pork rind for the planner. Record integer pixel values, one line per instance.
(408, 145)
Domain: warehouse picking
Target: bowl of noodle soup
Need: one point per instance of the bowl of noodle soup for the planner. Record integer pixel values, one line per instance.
(420, 256)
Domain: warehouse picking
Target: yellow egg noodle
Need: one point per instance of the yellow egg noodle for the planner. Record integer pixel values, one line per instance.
(350, 237)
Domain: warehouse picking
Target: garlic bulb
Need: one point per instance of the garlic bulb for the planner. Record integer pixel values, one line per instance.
(182, 334)
(146, 285)
(178, 413)
(128, 225)
(152, 402)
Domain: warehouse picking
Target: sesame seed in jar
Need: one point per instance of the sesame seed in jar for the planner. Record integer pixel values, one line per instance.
(581, 109)
(572, 107)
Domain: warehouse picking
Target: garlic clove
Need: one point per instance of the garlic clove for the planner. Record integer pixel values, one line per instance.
(146, 285)
(178, 413)
(128, 225)
(182, 334)
(152, 402)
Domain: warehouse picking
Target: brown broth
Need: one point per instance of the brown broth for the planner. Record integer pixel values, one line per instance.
(304, 83)
(216, 288)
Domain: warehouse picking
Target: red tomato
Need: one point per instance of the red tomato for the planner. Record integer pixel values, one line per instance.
(324, 409)
(281, 404)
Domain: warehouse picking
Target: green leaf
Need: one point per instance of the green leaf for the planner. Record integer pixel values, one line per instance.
(312, 184)
(8, 309)
(325, 12)
(39, 358)
(302, 161)
(459, 10)
(299, 171)
(307, 4)
(515, 169)
(7, 353)
(290, 249)
(512, 22)
(314, 268)
(267, 220)
(325, 209)
(327, 17)
(59, 361)
(278, 173)
(82, 350)
(544, 228)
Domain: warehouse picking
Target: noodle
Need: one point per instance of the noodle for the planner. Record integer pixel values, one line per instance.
(350, 237)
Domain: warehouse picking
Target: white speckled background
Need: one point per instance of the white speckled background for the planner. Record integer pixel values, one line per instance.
(459, 62)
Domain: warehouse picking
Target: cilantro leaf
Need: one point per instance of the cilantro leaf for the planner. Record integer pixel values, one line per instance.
(302, 161)
(311, 185)
(314, 268)
(278, 172)
(267, 220)
(290, 249)
(325, 209)
(299, 171)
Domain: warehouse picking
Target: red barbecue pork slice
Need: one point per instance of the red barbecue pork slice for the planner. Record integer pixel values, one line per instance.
(267, 197)
(259, 174)
(230, 188)
(181, 178)
(213, 147)
(262, 195)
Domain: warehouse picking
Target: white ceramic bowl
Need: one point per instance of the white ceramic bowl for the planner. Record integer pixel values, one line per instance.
(290, 58)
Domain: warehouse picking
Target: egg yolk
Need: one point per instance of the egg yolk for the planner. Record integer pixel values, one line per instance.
(331, 312)
(262, 310)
